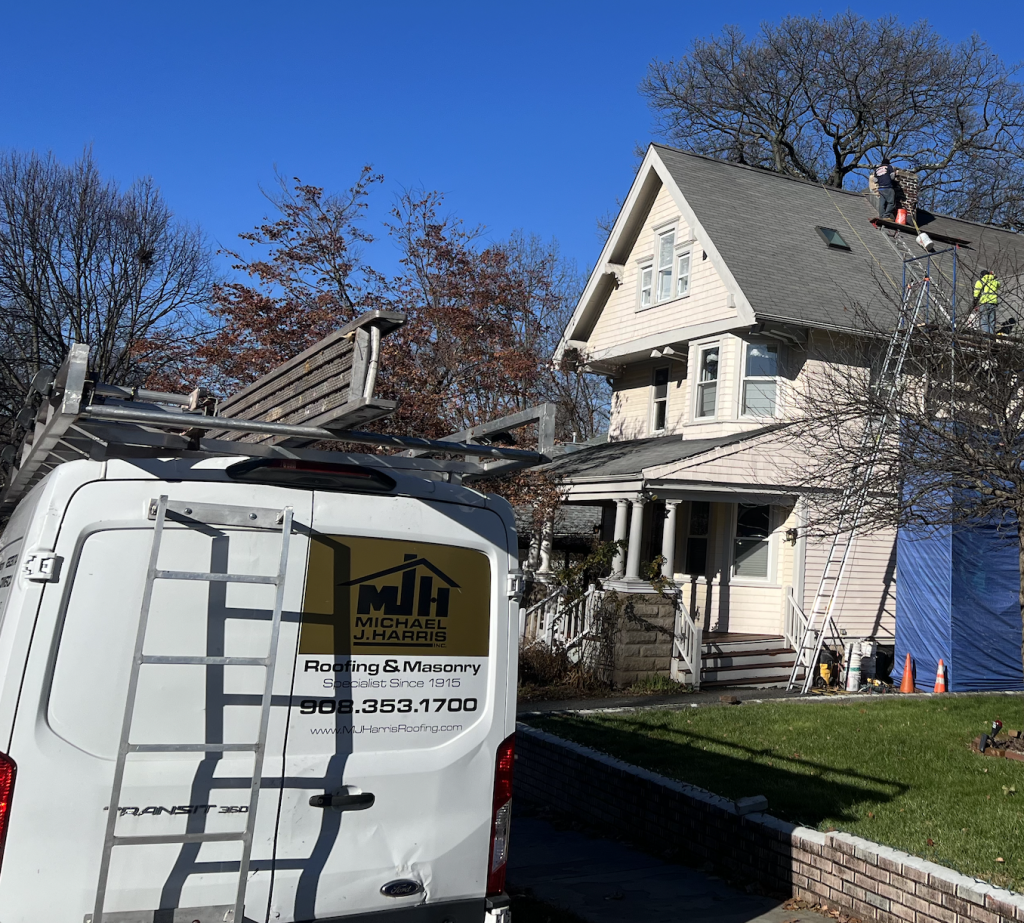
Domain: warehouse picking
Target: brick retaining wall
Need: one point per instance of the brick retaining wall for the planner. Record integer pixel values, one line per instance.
(870, 881)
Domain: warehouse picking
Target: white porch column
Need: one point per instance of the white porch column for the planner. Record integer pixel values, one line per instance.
(533, 555)
(621, 514)
(636, 537)
(668, 539)
(545, 548)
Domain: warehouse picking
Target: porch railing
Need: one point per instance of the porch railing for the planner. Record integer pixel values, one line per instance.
(794, 624)
(687, 644)
(536, 621)
(553, 621)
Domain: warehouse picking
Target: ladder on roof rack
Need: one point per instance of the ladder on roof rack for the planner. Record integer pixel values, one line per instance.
(69, 416)
(821, 627)
(208, 514)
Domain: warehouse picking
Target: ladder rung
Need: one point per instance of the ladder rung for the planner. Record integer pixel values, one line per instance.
(207, 661)
(189, 748)
(159, 838)
(214, 578)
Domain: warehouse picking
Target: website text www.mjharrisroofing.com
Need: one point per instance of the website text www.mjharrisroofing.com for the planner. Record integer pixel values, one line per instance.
(390, 729)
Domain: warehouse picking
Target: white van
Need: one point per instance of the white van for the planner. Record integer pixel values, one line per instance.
(288, 685)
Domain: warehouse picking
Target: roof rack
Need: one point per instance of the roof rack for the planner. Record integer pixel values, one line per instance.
(313, 398)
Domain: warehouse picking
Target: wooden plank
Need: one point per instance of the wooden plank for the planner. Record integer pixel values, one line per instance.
(323, 386)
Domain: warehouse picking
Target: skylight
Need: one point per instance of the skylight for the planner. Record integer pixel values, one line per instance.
(833, 238)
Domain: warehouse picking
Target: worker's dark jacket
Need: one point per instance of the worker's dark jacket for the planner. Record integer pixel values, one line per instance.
(884, 175)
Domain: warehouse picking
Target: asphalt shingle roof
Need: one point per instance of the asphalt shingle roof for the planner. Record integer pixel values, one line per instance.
(629, 458)
(763, 225)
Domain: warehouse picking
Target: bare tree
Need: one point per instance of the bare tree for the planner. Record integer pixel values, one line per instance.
(823, 99)
(951, 452)
(83, 261)
(484, 320)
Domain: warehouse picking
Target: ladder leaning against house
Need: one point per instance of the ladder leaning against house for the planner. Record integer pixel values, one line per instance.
(922, 295)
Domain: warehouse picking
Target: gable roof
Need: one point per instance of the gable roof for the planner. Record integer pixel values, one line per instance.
(764, 226)
(760, 230)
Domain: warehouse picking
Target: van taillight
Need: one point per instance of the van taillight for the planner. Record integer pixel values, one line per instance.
(7, 772)
(501, 817)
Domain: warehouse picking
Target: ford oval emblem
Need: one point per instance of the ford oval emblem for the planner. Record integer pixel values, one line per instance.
(403, 887)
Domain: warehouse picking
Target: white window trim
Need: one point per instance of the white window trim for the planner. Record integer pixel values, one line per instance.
(653, 409)
(651, 261)
(771, 580)
(700, 348)
(742, 377)
(682, 251)
(659, 269)
(646, 264)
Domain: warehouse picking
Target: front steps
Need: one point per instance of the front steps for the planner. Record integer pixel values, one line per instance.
(732, 659)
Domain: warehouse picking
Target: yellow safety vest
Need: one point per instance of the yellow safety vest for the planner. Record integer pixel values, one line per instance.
(986, 290)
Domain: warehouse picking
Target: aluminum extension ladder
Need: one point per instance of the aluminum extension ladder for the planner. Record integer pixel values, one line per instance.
(821, 626)
(938, 296)
(207, 514)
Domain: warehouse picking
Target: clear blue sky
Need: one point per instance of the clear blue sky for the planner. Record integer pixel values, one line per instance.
(525, 114)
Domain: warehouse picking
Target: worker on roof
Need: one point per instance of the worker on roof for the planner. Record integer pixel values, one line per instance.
(986, 297)
(885, 173)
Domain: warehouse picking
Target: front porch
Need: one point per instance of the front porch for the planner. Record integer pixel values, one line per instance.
(655, 635)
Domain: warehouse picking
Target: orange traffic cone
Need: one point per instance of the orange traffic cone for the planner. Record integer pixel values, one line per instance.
(940, 677)
(907, 683)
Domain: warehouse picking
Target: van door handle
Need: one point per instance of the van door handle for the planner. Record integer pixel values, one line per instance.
(342, 801)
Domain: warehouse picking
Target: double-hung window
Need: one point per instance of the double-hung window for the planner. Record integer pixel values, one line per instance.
(683, 274)
(666, 274)
(751, 547)
(759, 391)
(666, 256)
(659, 400)
(707, 382)
(646, 285)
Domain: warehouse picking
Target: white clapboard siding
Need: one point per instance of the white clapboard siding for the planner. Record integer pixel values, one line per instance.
(755, 610)
(866, 606)
(620, 321)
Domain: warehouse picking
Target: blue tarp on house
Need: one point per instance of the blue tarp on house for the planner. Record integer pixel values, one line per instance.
(957, 597)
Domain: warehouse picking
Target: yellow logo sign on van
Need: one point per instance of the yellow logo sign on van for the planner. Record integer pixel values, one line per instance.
(380, 596)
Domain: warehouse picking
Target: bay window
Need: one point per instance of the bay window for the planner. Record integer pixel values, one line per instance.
(707, 382)
(759, 390)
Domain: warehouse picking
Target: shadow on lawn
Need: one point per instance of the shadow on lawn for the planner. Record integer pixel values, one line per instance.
(798, 789)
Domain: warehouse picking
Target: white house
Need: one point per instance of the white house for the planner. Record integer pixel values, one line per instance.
(720, 290)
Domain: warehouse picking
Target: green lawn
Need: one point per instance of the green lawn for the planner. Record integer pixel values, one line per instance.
(897, 771)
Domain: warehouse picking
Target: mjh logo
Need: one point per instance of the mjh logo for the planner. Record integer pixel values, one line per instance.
(408, 610)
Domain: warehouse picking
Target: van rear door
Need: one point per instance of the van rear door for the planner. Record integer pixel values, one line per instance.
(68, 724)
(398, 707)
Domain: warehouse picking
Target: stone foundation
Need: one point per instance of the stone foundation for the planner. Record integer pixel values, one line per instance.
(639, 631)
